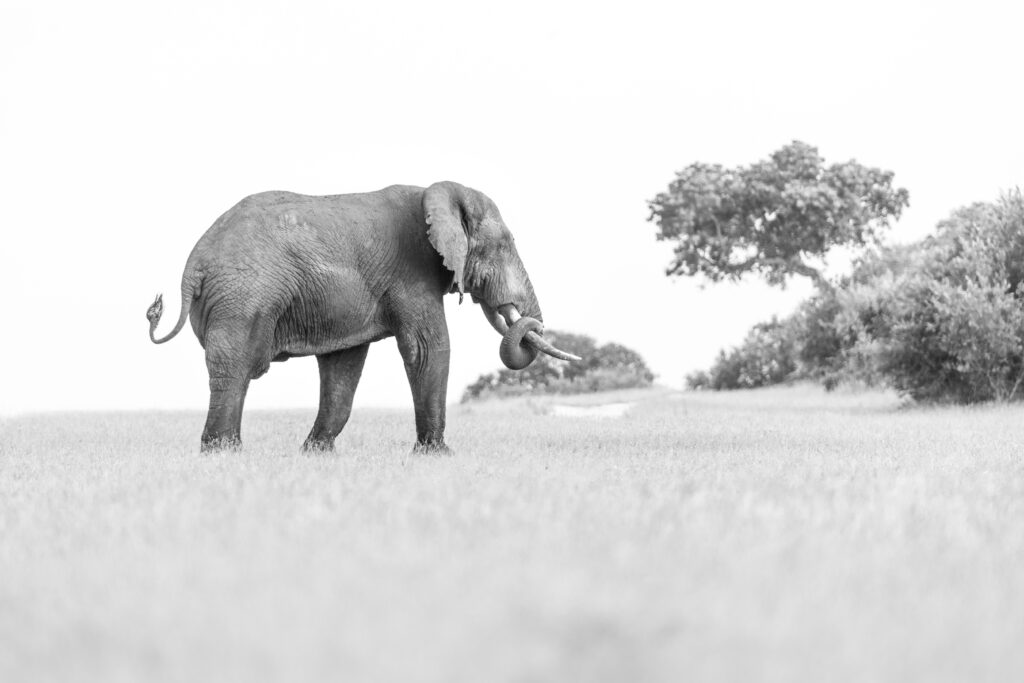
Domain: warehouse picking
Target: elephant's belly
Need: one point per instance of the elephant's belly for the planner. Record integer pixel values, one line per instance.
(306, 330)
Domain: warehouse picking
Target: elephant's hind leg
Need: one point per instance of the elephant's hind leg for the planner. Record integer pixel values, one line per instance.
(234, 356)
(339, 376)
(223, 428)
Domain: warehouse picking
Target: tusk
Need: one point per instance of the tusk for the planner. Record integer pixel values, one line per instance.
(510, 313)
(541, 344)
(496, 320)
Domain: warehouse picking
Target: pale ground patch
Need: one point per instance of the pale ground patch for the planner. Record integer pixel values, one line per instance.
(778, 535)
(602, 411)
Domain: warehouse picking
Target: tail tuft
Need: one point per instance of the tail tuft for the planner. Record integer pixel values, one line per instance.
(155, 311)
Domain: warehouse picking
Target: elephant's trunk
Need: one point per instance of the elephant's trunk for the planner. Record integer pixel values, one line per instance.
(522, 340)
(518, 320)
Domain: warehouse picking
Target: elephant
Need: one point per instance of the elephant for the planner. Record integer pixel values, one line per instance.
(282, 275)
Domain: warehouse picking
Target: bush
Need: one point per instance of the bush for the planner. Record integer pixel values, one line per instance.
(767, 356)
(948, 343)
(938, 320)
(949, 326)
(826, 346)
(603, 368)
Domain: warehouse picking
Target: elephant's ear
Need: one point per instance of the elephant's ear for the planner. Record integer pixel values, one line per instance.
(443, 209)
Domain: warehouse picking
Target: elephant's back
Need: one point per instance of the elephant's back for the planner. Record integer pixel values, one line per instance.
(275, 231)
(286, 211)
(279, 201)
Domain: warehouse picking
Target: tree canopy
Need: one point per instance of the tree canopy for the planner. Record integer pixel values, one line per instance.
(776, 218)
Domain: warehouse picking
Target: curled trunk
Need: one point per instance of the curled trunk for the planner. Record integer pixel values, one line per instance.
(514, 354)
(522, 337)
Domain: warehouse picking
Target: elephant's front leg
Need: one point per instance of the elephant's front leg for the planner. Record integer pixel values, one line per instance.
(339, 376)
(426, 355)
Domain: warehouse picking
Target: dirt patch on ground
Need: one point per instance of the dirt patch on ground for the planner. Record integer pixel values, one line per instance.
(603, 411)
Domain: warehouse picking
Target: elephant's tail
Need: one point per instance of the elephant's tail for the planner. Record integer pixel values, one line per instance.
(189, 290)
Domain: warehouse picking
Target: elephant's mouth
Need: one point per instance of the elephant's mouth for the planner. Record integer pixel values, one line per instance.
(521, 337)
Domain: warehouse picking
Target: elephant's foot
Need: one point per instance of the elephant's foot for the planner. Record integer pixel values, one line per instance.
(432, 448)
(318, 445)
(215, 444)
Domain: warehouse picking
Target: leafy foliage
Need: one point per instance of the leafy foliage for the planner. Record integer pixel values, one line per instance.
(773, 217)
(606, 367)
(767, 356)
(939, 320)
(950, 325)
(936, 341)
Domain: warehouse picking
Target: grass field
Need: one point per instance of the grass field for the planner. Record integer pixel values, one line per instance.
(772, 535)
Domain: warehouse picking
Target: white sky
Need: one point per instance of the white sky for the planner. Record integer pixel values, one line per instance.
(127, 128)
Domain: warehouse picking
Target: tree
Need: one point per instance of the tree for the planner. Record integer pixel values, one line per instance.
(937, 320)
(610, 366)
(773, 218)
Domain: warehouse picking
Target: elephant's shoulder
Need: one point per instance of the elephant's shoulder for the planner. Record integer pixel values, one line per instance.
(270, 199)
(401, 190)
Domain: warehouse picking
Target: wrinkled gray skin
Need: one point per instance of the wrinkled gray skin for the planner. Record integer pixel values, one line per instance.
(282, 275)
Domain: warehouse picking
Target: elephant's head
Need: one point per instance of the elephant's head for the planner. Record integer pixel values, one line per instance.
(467, 230)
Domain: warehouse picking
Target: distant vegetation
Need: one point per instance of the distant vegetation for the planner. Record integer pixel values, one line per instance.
(777, 218)
(939, 320)
(605, 367)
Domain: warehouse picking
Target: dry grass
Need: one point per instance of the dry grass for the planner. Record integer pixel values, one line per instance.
(773, 535)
